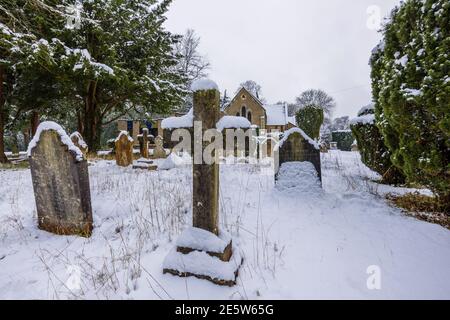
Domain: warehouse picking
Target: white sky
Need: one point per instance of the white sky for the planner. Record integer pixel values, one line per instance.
(287, 46)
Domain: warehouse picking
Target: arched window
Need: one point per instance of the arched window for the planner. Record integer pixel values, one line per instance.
(243, 111)
(249, 116)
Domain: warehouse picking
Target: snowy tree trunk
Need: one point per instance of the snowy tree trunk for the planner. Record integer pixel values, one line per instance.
(34, 122)
(80, 122)
(206, 176)
(3, 158)
(92, 120)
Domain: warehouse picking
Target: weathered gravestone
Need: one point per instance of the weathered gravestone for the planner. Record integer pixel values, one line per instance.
(124, 149)
(60, 181)
(159, 151)
(203, 251)
(143, 143)
(79, 142)
(297, 146)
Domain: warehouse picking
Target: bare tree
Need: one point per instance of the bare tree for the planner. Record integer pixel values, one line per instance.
(253, 87)
(191, 62)
(316, 98)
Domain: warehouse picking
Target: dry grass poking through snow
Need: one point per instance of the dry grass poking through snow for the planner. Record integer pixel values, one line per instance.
(137, 217)
(306, 245)
(422, 207)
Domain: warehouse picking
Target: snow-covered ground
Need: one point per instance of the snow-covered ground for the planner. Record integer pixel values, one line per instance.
(298, 241)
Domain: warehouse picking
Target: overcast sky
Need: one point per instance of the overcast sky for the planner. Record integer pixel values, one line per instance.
(287, 46)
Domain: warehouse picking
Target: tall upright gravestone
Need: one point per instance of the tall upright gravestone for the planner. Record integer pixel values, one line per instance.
(60, 181)
(143, 143)
(124, 149)
(204, 251)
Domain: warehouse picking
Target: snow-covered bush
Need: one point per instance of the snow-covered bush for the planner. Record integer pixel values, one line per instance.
(411, 88)
(344, 139)
(374, 152)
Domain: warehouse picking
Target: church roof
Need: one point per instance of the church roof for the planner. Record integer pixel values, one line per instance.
(276, 114)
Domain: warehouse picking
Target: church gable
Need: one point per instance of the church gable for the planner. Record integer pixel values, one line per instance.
(244, 104)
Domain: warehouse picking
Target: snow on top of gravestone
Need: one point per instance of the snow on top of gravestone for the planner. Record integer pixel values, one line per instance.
(287, 133)
(227, 122)
(65, 139)
(204, 84)
(199, 239)
(364, 119)
(80, 139)
(124, 133)
(186, 121)
(201, 263)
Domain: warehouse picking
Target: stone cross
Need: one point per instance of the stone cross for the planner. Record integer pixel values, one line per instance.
(203, 242)
(205, 176)
(60, 178)
(124, 149)
(143, 143)
(159, 151)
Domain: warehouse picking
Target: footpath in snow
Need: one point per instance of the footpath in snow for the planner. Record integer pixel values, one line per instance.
(299, 241)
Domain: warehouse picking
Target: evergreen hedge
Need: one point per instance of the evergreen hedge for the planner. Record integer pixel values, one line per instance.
(344, 139)
(411, 88)
(310, 119)
(374, 153)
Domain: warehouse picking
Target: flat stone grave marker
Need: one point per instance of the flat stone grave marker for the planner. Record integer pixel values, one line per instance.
(144, 164)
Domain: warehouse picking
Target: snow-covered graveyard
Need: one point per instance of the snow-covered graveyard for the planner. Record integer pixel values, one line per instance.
(297, 240)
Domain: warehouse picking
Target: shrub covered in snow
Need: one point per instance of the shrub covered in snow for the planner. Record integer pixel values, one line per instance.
(410, 80)
(344, 139)
(374, 152)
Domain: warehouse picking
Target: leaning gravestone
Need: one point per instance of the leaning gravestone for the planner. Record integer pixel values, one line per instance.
(124, 149)
(79, 142)
(60, 181)
(159, 151)
(203, 251)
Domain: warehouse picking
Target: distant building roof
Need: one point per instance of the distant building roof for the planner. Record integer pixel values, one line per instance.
(292, 120)
(276, 114)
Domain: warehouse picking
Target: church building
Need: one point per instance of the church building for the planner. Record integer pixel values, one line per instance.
(263, 116)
